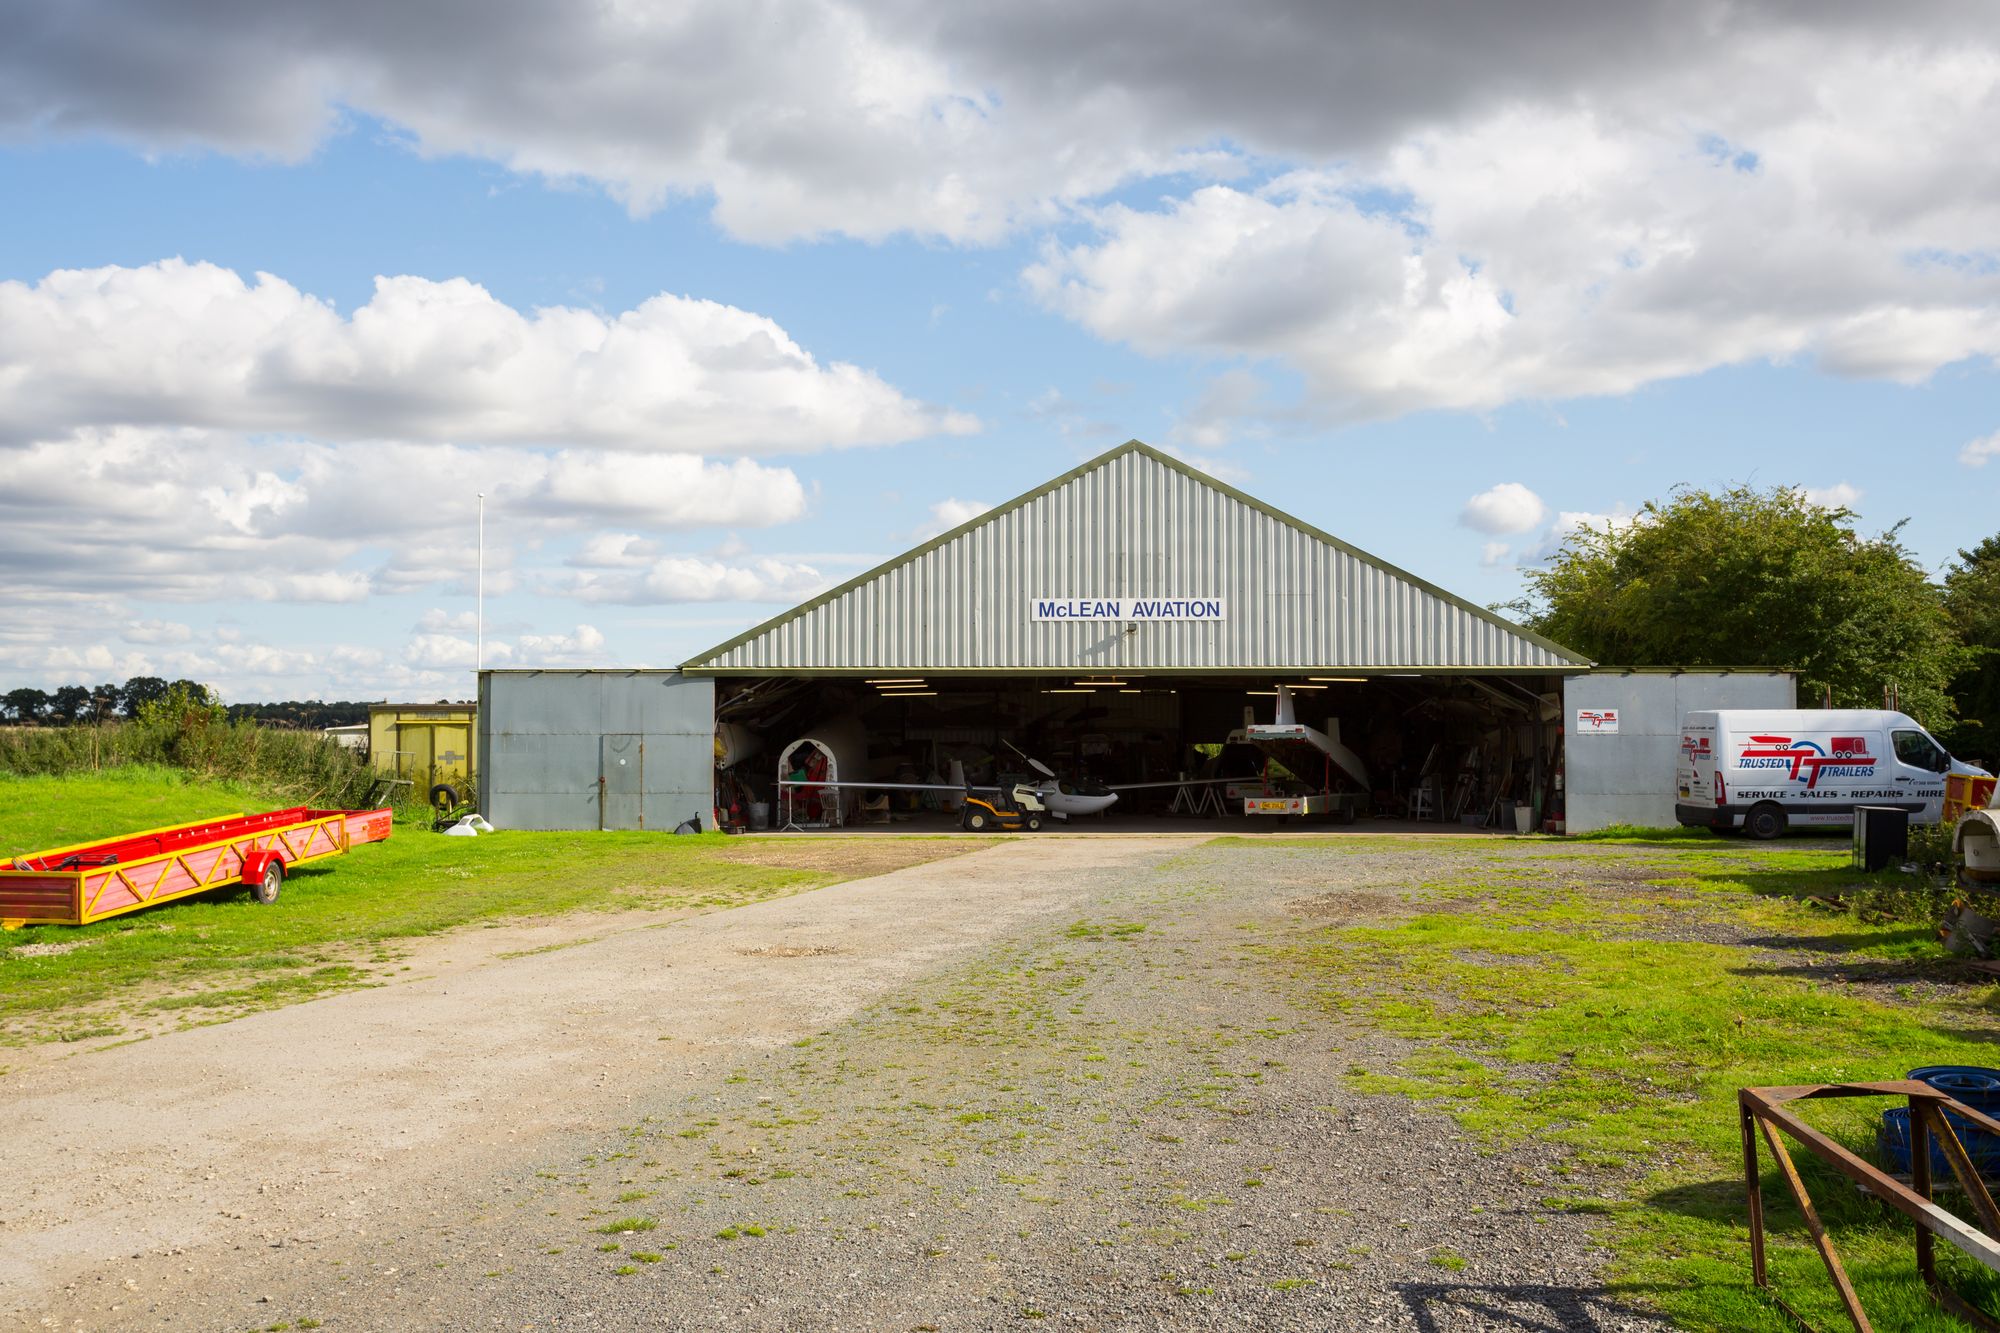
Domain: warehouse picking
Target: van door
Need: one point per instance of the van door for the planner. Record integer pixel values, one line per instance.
(1921, 764)
(1694, 776)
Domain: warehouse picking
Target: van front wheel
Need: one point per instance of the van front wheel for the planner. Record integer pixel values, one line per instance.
(1765, 822)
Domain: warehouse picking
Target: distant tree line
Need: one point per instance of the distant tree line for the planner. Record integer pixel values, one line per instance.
(82, 705)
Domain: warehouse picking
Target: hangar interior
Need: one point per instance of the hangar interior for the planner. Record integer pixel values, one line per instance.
(1462, 750)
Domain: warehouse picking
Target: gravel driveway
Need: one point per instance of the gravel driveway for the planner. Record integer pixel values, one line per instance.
(1047, 1085)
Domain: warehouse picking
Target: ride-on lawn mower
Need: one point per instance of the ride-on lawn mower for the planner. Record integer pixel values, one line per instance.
(1015, 807)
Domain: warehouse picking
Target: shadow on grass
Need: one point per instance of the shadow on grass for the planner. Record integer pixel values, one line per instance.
(1438, 1306)
(1710, 1200)
(1843, 942)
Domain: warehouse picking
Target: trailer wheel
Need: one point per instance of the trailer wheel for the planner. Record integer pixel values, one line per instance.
(449, 797)
(1765, 822)
(265, 890)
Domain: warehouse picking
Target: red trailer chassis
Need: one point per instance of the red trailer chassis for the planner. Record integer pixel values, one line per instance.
(93, 880)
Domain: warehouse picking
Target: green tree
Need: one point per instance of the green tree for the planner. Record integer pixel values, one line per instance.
(1972, 600)
(1747, 577)
(70, 703)
(26, 705)
(140, 691)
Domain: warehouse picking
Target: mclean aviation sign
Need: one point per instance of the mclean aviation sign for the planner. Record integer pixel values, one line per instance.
(1127, 608)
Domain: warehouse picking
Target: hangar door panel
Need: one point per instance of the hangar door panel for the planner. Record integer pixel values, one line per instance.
(621, 782)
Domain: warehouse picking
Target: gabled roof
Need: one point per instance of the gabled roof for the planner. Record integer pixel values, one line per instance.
(1135, 522)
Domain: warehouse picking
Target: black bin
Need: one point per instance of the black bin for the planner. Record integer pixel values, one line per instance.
(1881, 835)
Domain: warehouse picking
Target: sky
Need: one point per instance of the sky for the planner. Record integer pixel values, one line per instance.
(720, 304)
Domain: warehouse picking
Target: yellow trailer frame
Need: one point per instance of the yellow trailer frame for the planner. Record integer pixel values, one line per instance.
(91, 881)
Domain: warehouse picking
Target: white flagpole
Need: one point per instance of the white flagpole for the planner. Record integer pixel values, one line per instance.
(479, 652)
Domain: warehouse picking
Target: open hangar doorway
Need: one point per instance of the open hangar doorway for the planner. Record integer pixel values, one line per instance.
(1436, 750)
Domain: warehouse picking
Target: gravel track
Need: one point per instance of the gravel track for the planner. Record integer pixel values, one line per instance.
(1055, 1084)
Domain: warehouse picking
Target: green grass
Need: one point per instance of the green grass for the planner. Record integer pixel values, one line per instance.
(337, 922)
(42, 812)
(1637, 833)
(1623, 833)
(1547, 1017)
(625, 1224)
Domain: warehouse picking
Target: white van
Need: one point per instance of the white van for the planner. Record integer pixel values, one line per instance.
(1764, 770)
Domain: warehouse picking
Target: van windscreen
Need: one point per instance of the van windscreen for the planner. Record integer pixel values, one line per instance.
(1920, 751)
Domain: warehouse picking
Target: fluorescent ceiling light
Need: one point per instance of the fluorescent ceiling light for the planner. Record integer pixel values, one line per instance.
(1341, 680)
(909, 694)
(909, 680)
(1069, 691)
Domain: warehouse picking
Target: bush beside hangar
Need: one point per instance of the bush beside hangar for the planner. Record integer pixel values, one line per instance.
(1133, 624)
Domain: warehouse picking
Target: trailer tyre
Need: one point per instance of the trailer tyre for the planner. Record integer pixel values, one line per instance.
(1765, 822)
(443, 797)
(265, 890)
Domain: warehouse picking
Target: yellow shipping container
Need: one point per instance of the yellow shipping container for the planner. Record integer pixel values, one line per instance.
(424, 744)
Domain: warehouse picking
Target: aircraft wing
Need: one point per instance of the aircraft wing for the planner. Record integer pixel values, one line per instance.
(894, 786)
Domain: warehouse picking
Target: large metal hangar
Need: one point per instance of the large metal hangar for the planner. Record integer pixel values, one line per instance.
(1134, 628)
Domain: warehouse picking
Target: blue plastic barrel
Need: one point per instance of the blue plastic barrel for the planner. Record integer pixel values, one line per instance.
(1975, 1085)
(1981, 1147)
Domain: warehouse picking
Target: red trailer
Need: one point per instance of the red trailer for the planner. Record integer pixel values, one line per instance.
(93, 880)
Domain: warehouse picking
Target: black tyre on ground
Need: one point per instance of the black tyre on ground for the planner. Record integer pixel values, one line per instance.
(1033, 823)
(265, 890)
(1765, 822)
(975, 820)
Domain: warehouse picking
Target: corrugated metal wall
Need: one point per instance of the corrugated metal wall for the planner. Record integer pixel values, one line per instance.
(547, 738)
(1628, 778)
(1136, 527)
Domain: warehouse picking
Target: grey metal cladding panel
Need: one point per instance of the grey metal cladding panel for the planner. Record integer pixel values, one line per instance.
(1587, 814)
(543, 810)
(681, 706)
(1655, 702)
(1135, 526)
(681, 764)
(621, 702)
(519, 763)
(1623, 765)
(502, 706)
(555, 703)
(1696, 692)
(1645, 701)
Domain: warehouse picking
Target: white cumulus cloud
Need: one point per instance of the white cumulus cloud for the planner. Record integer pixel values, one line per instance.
(1840, 495)
(1568, 523)
(193, 345)
(1977, 453)
(156, 631)
(947, 514)
(639, 581)
(1504, 509)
